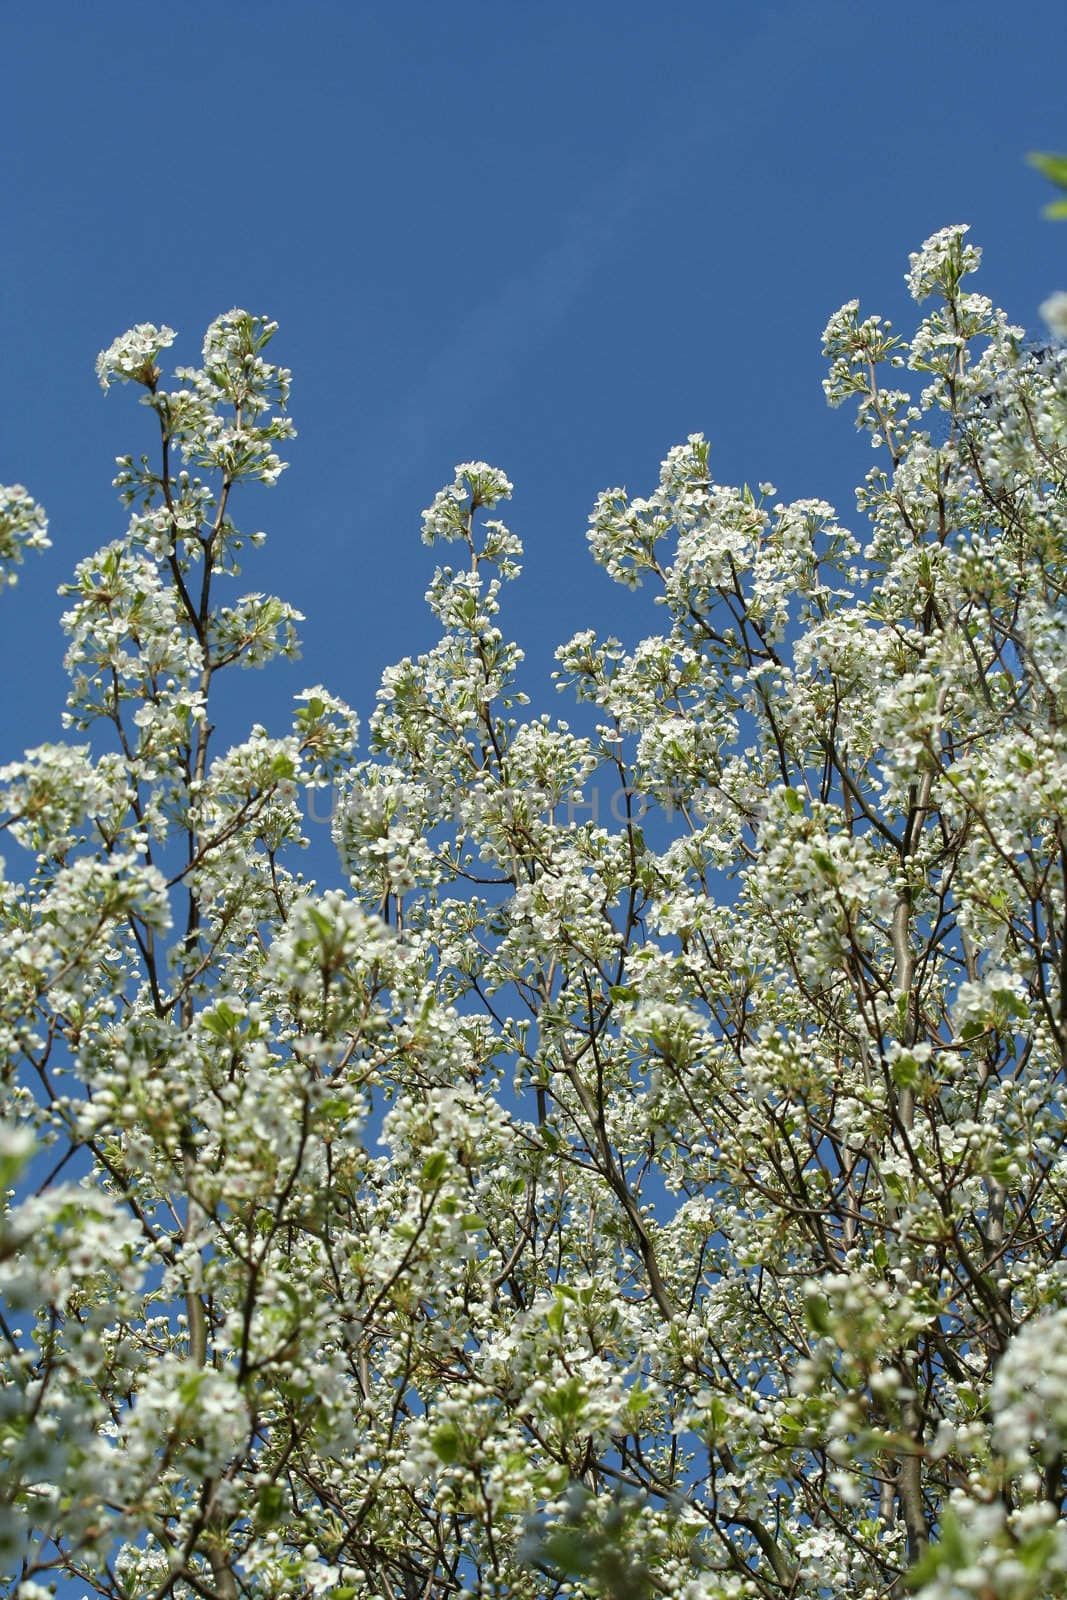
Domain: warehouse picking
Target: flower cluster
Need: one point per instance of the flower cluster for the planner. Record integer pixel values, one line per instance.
(646, 1175)
(131, 358)
(23, 526)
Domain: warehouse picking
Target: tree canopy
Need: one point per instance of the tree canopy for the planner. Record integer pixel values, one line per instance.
(647, 1176)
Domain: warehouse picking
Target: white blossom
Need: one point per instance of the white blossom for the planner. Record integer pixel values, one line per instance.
(132, 356)
(646, 1173)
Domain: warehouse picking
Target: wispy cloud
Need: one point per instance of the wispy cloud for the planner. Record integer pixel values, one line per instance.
(480, 354)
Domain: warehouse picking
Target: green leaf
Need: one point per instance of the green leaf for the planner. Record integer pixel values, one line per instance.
(434, 1167)
(567, 1401)
(221, 1021)
(1001, 1169)
(716, 1417)
(445, 1442)
(1012, 1003)
(817, 1313)
(321, 923)
(968, 1398)
(333, 1108)
(1054, 167)
(824, 862)
(905, 1072)
(794, 801)
(637, 1399)
(569, 1550)
(950, 1552)
(896, 1187)
(189, 1387)
(270, 1504)
(621, 992)
(1038, 1551)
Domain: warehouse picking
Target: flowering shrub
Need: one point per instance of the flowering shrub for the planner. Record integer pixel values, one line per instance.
(667, 1198)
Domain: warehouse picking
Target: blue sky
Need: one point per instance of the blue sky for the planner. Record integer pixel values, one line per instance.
(556, 237)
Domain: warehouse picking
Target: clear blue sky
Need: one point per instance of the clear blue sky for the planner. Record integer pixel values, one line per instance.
(557, 237)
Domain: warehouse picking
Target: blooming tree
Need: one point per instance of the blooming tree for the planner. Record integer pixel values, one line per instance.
(648, 1176)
